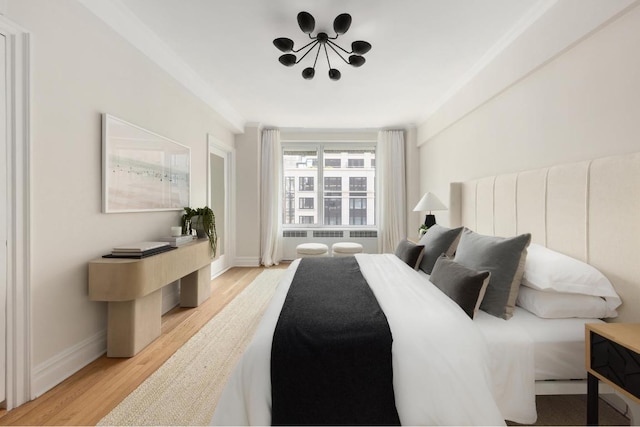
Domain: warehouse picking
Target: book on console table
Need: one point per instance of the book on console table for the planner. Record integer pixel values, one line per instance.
(177, 240)
(139, 250)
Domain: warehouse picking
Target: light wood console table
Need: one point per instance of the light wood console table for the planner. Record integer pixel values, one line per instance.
(133, 290)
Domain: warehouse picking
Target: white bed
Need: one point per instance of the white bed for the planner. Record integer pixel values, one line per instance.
(455, 388)
(585, 210)
(484, 372)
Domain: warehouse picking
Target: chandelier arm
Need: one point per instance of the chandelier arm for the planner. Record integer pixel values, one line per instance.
(337, 53)
(327, 55)
(340, 47)
(316, 60)
(307, 52)
(303, 47)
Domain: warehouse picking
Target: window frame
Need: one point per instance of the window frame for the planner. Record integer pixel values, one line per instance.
(320, 147)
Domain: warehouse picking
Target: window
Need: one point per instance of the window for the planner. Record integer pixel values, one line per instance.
(289, 199)
(358, 183)
(305, 203)
(356, 163)
(305, 219)
(344, 196)
(332, 211)
(333, 184)
(357, 211)
(332, 163)
(306, 183)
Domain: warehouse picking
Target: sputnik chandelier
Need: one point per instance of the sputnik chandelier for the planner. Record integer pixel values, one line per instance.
(307, 24)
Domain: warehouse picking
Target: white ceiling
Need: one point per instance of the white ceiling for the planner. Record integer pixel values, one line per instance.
(423, 50)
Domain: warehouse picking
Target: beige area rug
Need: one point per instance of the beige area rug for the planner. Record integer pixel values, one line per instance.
(185, 389)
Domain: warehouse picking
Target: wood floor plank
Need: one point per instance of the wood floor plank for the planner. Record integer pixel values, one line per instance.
(90, 394)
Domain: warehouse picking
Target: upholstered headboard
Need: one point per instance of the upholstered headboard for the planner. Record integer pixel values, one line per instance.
(589, 210)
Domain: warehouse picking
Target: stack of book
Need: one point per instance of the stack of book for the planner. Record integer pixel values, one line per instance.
(139, 250)
(176, 241)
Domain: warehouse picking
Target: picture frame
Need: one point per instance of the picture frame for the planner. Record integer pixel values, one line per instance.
(141, 170)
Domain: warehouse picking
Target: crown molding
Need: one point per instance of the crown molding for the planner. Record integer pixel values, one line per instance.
(132, 29)
(543, 34)
(519, 27)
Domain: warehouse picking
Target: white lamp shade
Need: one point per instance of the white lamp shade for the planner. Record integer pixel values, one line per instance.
(429, 202)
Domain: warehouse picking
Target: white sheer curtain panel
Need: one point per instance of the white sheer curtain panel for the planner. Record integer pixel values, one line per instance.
(391, 196)
(270, 199)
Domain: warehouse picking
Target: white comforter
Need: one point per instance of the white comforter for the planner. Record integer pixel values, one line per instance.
(441, 362)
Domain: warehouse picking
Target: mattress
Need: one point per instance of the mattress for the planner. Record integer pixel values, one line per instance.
(558, 345)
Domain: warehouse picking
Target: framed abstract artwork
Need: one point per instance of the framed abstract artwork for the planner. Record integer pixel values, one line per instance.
(141, 170)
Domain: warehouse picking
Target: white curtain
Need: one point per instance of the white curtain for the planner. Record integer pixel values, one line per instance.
(390, 193)
(271, 199)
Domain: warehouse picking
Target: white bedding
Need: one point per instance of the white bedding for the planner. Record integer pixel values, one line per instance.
(441, 362)
(558, 345)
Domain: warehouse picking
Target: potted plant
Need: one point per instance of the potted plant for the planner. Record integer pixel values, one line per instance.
(204, 222)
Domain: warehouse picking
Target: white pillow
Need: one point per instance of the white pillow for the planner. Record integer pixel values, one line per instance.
(551, 271)
(555, 305)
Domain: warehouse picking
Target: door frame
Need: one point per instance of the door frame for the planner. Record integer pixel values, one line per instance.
(217, 147)
(18, 310)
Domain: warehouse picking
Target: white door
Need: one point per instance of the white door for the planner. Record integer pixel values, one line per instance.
(220, 194)
(3, 218)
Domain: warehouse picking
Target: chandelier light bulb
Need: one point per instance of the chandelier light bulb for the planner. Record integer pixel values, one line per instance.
(288, 59)
(284, 44)
(334, 74)
(306, 22)
(308, 73)
(342, 23)
(356, 60)
(359, 47)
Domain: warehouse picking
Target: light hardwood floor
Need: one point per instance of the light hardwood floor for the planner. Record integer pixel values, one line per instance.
(87, 396)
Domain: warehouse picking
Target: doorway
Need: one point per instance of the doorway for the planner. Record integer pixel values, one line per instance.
(220, 200)
(15, 314)
(3, 220)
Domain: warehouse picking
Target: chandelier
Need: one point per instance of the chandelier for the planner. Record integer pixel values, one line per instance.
(307, 24)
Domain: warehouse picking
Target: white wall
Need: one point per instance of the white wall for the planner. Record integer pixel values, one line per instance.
(248, 196)
(583, 103)
(80, 69)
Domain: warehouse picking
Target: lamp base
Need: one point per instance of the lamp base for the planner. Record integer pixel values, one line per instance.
(429, 220)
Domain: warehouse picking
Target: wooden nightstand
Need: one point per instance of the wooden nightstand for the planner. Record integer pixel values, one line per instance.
(613, 357)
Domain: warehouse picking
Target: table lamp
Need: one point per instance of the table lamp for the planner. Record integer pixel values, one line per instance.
(429, 202)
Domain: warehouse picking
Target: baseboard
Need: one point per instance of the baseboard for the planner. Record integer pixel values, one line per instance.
(219, 273)
(247, 262)
(60, 367)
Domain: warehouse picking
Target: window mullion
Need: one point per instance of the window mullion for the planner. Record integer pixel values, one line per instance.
(320, 193)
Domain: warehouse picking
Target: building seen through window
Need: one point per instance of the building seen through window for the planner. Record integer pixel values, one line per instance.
(345, 194)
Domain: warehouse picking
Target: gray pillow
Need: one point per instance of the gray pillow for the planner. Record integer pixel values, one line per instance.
(463, 285)
(504, 258)
(438, 240)
(410, 253)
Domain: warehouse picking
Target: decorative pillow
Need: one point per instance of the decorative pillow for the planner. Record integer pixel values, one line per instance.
(504, 258)
(438, 240)
(548, 270)
(410, 253)
(554, 305)
(463, 285)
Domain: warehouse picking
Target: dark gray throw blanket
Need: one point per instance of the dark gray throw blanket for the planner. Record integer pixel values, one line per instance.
(331, 353)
